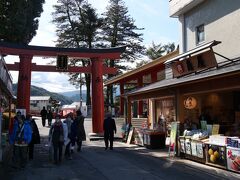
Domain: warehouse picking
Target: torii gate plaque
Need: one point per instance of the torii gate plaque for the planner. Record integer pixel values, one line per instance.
(97, 69)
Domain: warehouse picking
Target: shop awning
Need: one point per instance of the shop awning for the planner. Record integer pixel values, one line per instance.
(222, 70)
(193, 51)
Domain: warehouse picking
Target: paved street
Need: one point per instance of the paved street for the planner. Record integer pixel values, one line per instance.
(124, 162)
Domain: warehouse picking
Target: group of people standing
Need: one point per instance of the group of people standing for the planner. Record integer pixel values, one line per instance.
(23, 135)
(46, 114)
(68, 133)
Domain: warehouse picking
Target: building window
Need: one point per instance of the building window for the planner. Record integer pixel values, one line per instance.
(200, 35)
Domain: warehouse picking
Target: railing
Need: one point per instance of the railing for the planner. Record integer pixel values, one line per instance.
(5, 76)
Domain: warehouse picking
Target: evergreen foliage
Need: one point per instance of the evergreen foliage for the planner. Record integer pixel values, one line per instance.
(119, 29)
(19, 20)
(77, 27)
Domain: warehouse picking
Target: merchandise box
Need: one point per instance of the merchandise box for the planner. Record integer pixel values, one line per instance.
(216, 155)
(233, 159)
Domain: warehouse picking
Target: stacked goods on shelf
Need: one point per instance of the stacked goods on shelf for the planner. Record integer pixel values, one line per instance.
(192, 145)
(233, 154)
(216, 151)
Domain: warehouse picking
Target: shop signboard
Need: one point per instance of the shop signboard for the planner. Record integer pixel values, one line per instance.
(194, 148)
(196, 63)
(188, 146)
(138, 136)
(233, 159)
(173, 136)
(182, 145)
(204, 125)
(200, 151)
(130, 136)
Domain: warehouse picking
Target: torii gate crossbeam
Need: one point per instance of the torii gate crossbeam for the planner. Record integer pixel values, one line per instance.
(25, 67)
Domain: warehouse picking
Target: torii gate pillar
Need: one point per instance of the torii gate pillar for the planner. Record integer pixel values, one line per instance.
(97, 95)
(24, 82)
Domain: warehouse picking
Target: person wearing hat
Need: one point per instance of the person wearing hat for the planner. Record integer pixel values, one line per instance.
(109, 128)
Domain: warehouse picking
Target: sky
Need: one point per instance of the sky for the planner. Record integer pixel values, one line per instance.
(152, 15)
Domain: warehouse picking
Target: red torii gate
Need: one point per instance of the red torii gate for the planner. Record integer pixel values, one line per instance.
(97, 69)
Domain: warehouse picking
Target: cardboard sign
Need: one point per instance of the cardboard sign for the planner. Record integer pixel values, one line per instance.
(215, 129)
(204, 125)
(23, 111)
(130, 135)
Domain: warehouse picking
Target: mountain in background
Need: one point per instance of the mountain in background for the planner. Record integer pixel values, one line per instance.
(75, 95)
(37, 91)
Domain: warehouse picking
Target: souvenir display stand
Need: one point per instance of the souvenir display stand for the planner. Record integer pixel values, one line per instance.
(216, 151)
(193, 149)
(233, 154)
(154, 139)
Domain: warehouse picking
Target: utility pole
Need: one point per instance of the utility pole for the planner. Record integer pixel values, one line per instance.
(80, 90)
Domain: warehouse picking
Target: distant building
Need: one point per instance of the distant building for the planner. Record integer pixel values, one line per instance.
(38, 102)
(66, 109)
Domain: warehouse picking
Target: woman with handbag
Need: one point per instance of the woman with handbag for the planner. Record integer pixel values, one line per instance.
(57, 139)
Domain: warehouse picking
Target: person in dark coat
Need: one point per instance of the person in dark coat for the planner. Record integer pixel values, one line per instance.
(44, 116)
(56, 138)
(49, 117)
(109, 128)
(20, 138)
(35, 136)
(78, 131)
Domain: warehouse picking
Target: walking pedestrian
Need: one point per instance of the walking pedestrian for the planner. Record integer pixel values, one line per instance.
(78, 130)
(20, 138)
(49, 117)
(44, 116)
(56, 138)
(68, 122)
(35, 136)
(109, 128)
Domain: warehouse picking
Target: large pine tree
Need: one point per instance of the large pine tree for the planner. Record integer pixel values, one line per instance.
(19, 20)
(77, 26)
(119, 29)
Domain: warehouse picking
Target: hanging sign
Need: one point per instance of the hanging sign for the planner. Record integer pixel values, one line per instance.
(195, 63)
(190, 103)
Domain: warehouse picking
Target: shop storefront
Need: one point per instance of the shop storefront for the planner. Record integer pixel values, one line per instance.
(5, 106)
(204, 97)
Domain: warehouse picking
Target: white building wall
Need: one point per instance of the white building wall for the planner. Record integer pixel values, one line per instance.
(222, 22)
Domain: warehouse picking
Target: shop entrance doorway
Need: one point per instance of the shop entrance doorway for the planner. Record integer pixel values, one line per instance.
(96, 69)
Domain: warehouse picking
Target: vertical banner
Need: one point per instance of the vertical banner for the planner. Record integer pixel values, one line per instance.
(173, 137)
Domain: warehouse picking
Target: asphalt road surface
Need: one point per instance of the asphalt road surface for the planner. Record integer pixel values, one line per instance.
(124, 162)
